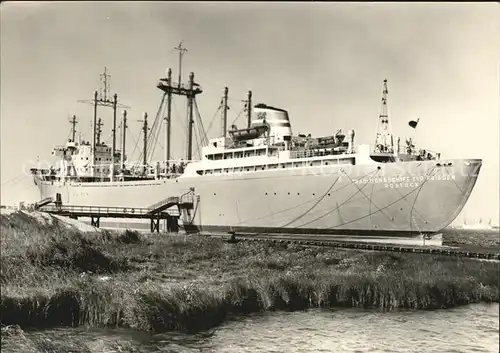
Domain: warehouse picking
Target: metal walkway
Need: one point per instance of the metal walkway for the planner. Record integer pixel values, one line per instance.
(163, 205)
(95, 213)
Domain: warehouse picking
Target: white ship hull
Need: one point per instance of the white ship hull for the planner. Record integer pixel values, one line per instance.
(391, 198)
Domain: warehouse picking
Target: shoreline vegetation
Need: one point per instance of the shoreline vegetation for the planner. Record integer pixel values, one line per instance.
(53, 274)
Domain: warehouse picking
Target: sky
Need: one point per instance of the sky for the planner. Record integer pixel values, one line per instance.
(323, 62)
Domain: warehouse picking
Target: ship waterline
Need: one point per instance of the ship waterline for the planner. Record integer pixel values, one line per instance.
(400, 198)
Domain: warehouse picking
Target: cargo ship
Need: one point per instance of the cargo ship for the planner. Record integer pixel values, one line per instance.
(263, 178)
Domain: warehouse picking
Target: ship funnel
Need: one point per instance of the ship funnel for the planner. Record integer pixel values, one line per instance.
(276, 118)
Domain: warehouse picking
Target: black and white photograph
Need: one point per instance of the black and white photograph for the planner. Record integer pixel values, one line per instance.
(249, 176)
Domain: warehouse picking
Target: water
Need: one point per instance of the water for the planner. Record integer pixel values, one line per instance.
(473, 328)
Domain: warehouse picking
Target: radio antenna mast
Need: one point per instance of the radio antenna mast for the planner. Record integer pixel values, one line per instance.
(181, 53)
(73, 123)
(384, 140)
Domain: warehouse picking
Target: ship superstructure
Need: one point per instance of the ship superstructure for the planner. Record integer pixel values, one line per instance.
(263, 178)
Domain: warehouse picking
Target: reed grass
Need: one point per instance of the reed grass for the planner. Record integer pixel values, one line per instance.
(52, 276)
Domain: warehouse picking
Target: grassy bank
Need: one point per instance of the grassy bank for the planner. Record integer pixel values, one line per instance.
(472, 238)
(52, 275)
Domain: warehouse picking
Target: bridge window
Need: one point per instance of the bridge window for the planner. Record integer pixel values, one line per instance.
(250, 153)
(217, 171)
(238, 154)
(218, 156)
(228, 155)
(210, 156)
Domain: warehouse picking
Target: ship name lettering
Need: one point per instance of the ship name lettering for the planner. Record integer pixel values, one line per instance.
(401, 185)
(404, 181)
(441, 177)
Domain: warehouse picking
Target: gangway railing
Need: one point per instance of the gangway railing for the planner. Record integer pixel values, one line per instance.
(163, 204)
(97, 212)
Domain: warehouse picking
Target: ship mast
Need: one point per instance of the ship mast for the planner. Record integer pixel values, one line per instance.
(190, 122)
(384, 140)
(124, 129)
(249, 109)
(145, 142)
(168, 119)
(99, 131)
(224, 113)
(181, 53)
(103, 100)
(178, 89)
(73, 123)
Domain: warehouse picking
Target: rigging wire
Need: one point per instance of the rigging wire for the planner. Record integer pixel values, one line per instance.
(152, 131)
(136, 144)
(237, 116)
(202, 139)
(213, 118)
(177, 114)
(15, 179)
(155, 129)
(197, 140)
(203, 133)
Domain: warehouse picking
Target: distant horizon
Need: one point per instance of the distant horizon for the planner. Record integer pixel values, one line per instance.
(323, 63)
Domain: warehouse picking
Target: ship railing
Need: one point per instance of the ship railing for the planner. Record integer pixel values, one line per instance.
(187, 199)
(314, 153)
(166, 203)
(416, 151)
(95, 209)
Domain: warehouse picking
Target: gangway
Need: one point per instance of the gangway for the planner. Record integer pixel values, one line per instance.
(184, 201)
(95, 213)
(164, 204)
(43, 202)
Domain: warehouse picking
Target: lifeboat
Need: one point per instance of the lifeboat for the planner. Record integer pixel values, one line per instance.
(250, 133)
